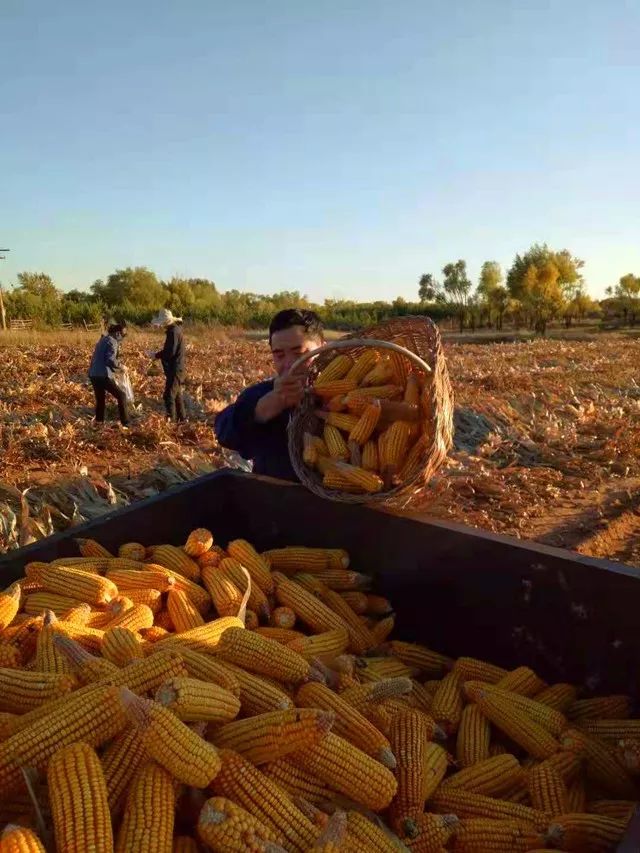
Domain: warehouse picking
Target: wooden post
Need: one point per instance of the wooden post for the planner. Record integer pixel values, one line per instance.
(3, 316)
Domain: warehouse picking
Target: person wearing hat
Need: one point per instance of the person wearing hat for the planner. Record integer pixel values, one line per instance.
(103, 369)
(172, 356)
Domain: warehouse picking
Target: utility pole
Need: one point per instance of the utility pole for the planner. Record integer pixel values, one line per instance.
(3, 316)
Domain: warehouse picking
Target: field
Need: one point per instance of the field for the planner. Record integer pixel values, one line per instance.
(547, 435)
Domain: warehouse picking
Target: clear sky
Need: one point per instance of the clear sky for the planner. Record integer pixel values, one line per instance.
(336, 147)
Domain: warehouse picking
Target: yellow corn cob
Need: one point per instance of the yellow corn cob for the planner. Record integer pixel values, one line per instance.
(364, 695)
(93, 715)
(96, 565)
(362, 365)
(617, 809)
(377, 392)
(446, 706)
(198, 542)
(36, 603)
(474, 737)
(78, 796)
(258, 695)
(347, 769)
(306, 606)
(185, 844)
(175, 560)
(20, 839)
(171, 743)
(133, 580)
(336, 388)
(206, 668)
(360, 639)
(370, 456)
(512, 720)
(227, 598)
(380, 374)
(281, 635)
(83, 586)
(336, 445)
(340, 420)
(472, 669)
(78, 615)
(612, 729)
(142, 676)
(309, 450)
(333, 835)
(414, 460)
(482, 835)
(356, 600)
(332, 480)
(324, 646)
(297, 782)
(414, 654)
(132, 551)
(121, 760)
(558, 696)
(48, 658)
(271, 736)
(600, 708)
(193, 700)
(88, 668)
(366, 835)
(586, 833)
(9, 605)
(577, 795)
(240, 577)
(551, 720)
(523, 681)
(121, 646)
(262, 656)
(9, 657)
(202, 639)
(298, 559)
(547, 789)
(393, 447)
(184, 614)
(382, 629)
(147, 823)
(367, 423)
(254, 563)
(337, 368)
(469, 805)
(252, 790)
(163, 619)
(152, 635)
(283, 617)
(224, 825)
(91, 548)
(349, 723)
(363, 479)
(492, 777)
(421, 768)
(22, 690)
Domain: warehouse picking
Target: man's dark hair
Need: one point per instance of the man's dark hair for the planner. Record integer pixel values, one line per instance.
(309, 320)
(117, 328)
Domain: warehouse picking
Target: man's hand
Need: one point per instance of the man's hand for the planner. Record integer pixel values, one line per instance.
(287, 393)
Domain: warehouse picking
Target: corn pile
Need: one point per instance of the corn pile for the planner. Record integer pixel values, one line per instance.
(195, 698)
(372, 437)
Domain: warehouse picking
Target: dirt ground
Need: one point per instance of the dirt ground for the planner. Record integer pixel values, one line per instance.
(547, 440)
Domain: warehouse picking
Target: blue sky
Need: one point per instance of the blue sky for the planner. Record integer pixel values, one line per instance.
(336, 147)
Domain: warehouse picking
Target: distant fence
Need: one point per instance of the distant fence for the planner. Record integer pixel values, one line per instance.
(20, 325)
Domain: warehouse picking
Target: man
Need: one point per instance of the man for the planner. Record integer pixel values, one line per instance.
(256, 424)
(172, 356)
(102, 370)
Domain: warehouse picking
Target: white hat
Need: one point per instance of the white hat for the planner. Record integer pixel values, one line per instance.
(164, 317)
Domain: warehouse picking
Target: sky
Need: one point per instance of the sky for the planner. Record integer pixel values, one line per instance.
(336, 147)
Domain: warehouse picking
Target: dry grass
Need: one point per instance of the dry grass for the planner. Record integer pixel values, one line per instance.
(547, 443)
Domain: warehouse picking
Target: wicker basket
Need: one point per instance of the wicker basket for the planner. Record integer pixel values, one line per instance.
(416, 342)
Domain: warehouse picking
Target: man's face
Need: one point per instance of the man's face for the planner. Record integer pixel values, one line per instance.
(288, 345)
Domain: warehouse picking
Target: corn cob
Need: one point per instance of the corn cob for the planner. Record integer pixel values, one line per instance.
(199, 596)
(333, 480)
(336, 388)
(97, 565)
(23, 690)
(522, 681)
(337, 368)
(170, 742)
(163, 620)
(199, 541)
(469, 805)
(577, 795)
(380, 374)
(297, 559)
(473, 669)
(132, 551)
(603, 768)
(176, 560)
(184, 614)
(474, 737)
(297, 782)
(147, 824)
(617, 809)
(274, 735)
(281, 635)
(356, 600)
(283, 618)
(136, 580)
(333, 835)
(349, 723)
(362, 365)
(10, 657)
(152, 635)
(446, 706)
(360, 639)
(224, 825)
(365, 480)
(36, 603)
(241, 578)
(306, 606)
(600, 708)
(121, 646)
(226, 597)
(252, 790)
(258, 695)
(347, 769)
(79, 805)
(413, 654)
(512, 720)
(80, 614)
(83, 586)
(254, 563)
(263, 656)
(20, 839)
(340, 420)
(91, 548)
(367, 423)
(336, 445)
(48, 658)
(481, 835)
(586, 833)
(559, 697)
(392, 448)
(121, 761)
(493, 777)
(134, 618)
(612, 730)
(551, 720)
(370, 456)
(9, 605)
(547, 789)
(324, 646)
(366, 835)
(193, 700)
(414, 459)
(207, 668)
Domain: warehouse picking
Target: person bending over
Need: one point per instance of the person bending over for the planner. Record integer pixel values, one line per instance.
(255, 425)
(103, 369)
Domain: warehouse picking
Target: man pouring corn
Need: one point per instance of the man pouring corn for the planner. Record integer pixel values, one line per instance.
(255, 426)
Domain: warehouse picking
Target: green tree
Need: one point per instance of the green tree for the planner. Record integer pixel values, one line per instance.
(568, 268)
(456, 286)
(627, 292)
(35, 297)
(498, 300)
(542, 294)
(490, 278)
(428, 288)
(137, 287)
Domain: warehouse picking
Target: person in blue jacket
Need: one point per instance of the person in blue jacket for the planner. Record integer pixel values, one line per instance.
(102, 370)
(256, 424)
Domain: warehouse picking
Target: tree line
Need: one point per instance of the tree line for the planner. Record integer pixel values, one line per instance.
(541, 286)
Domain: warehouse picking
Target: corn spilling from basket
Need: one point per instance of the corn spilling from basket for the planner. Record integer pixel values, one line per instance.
(170, 699)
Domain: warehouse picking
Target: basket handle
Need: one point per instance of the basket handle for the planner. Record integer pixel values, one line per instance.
(349, 343)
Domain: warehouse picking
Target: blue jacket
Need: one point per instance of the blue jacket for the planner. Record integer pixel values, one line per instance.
(266, 444)
(105, 358)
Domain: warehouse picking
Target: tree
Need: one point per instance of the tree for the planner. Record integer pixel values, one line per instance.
(138, 286)
(490, 278)
(542, 294)
(36, 297)
(456, 286)
(428, 288)
(568, 268)
(498, 304)
(627, 291)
